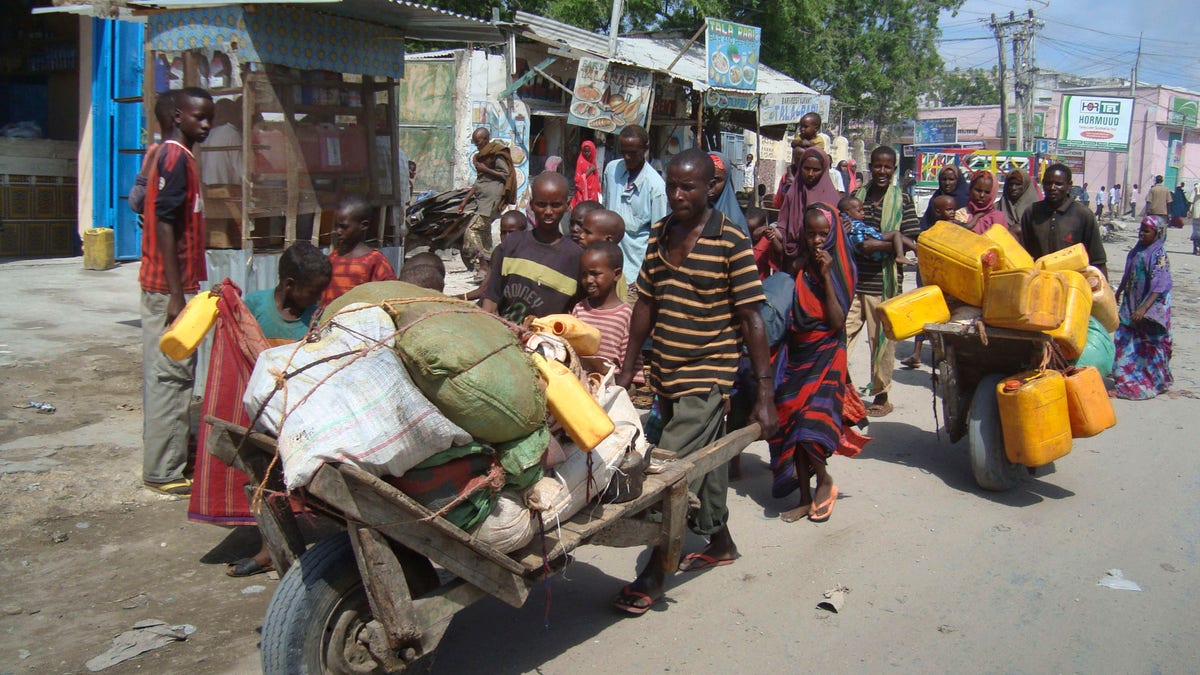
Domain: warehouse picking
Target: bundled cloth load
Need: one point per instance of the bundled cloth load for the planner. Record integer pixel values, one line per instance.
(452, 406)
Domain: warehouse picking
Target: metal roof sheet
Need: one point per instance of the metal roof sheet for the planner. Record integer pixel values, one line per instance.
(649, 53)
(417, 21)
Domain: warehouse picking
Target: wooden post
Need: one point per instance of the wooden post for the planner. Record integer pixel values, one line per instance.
(248, 105)
(699, 98)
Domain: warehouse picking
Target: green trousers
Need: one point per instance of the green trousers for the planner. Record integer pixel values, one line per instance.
(690, 423)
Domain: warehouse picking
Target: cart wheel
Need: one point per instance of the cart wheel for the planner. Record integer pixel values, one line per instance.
(989, 463)
(317, 619)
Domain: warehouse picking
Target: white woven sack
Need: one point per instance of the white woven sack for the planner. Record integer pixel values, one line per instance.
(509, 526)
(368, 412)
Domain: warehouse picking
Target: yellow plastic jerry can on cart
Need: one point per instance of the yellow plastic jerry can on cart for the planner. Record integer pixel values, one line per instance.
(1034, 417)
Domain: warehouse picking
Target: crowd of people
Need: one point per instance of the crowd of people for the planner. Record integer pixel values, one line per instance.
(678, 280)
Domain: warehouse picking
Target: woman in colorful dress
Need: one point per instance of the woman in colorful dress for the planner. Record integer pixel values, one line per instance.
(1142, 369)
(810, 377)
(587, 175)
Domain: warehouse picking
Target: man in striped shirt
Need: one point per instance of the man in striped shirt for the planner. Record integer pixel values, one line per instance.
(698, 298)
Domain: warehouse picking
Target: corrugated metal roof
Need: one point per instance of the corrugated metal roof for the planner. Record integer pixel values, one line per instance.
(648, 53)
(417, 21)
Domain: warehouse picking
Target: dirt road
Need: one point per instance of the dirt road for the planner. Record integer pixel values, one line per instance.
(942, 575)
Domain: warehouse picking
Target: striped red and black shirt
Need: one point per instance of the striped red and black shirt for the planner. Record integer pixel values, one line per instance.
(351, 272)
(173, 195)
(696, 338)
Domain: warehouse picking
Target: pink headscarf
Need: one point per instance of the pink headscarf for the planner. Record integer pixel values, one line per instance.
(799, 198)
(980, 218)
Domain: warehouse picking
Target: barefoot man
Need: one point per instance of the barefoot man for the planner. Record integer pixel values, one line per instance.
(698, 295)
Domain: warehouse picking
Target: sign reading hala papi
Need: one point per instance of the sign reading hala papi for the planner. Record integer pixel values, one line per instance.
(1095, 123)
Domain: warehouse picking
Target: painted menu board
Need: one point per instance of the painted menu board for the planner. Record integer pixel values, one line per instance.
(608, 98)
(732, 54)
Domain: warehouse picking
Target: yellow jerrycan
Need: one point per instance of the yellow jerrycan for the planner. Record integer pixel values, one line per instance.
(1071, 334)
(569, 401)
(1104, 302)
(189, 328)
(906, 314)
(1025, 300)
(1034, 417)
(98, 252)
(1074, 258)
(957, 260)
(1088, 405)
(1013, 255)
(584, 339)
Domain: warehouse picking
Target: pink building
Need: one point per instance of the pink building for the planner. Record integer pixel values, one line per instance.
(1162, 140)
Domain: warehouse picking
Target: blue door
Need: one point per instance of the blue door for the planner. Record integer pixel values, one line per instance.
(118, 135)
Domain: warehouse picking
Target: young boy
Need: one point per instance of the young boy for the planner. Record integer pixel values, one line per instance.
(284, 314)
(578, 214)
(425, 270)
(173, 241)
(511, 222)
(164, 111)
(768, 247)
(286, 311)
(810, 130)
(601, 225)
(354, 263)
(599, 268)
(536, 272)
(857, 231)
(698, 297)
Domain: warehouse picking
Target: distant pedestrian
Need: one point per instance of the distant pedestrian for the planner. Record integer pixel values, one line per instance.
(1101, 199)
(1179, 206)
(1158, 200)
(1114, 201)
(1133, 200)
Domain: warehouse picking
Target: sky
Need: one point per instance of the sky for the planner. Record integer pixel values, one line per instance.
(1094, 38)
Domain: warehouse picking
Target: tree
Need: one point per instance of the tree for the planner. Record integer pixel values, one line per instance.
(974, 86)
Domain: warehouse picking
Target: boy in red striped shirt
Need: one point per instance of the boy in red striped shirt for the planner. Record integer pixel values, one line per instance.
(354, 262)
(173, 242)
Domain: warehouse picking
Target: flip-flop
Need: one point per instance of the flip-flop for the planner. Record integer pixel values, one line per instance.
(876, 410)
(175, 488)
(826, 506)
(247, 567)
(695, 562)
(625, 599)
(911, 363)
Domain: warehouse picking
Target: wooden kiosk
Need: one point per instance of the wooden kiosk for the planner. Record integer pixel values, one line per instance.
(306, 112)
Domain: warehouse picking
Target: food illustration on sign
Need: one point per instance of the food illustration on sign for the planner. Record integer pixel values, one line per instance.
(720, 63)
(587, 92)
(748, 74)
(603, 123)
(585, 110)
(735, 75)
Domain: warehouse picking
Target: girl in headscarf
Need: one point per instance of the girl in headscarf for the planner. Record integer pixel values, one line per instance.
(1020, 193)
(587, 176)
(723, 196)
(811, 185)
(981, 212)
(810, 375)
(1142, 368)
(950, 182)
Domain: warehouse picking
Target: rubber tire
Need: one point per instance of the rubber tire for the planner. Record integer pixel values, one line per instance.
(985, 440)
(293, 629)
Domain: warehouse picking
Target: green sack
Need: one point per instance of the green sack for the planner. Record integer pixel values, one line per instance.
(1099, 351)
(465, 361)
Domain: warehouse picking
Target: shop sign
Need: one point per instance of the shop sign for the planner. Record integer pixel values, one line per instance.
(776, 109)
(1095, 123)
(732, 54)
(607, 97)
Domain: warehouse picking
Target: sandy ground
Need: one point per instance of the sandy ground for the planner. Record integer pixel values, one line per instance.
(942, 575)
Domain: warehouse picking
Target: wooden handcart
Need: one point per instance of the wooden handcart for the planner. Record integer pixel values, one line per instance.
(378, 597)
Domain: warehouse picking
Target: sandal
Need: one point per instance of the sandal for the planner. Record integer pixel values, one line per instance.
(248, 567)
(878, 410)
(627, 601)
(175, 488)
(821, 512)
(913, 361)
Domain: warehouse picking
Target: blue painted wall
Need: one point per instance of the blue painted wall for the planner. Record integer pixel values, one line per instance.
(117, 129)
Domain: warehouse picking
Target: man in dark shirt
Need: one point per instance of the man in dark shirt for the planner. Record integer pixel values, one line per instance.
(885, 207)
(1058, 221)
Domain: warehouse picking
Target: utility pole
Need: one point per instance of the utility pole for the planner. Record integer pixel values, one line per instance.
(614, 27)
(1022, 33)
(999, 31)
(1125, 193)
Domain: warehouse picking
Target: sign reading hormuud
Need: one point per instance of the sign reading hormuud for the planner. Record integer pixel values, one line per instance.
(1095, 123)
